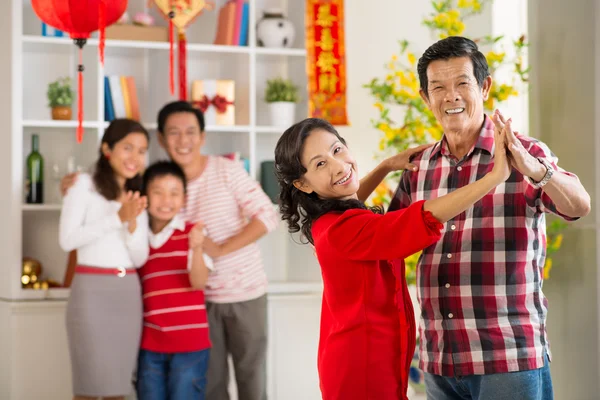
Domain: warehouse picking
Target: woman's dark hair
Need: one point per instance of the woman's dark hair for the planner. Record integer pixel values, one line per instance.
(160, 169)
(178, 107)
(300, 209)
(453, 47)
(104, 175)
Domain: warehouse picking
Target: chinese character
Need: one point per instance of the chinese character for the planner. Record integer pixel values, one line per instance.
(324, 17)
(327, 41)
(327, 62)
(328, 83)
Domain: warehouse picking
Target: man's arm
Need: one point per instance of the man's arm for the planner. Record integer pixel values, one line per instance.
(564, 191)
(248, 235)
(254, 205)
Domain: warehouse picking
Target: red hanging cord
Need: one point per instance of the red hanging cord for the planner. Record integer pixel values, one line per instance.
(182, 67)
(80, 43)
(101, 27)
(171, 54)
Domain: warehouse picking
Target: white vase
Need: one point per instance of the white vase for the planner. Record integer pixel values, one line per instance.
(282, 113)
(274, 30)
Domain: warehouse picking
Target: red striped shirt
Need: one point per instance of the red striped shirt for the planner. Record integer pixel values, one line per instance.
(224, 198)
(175, 318)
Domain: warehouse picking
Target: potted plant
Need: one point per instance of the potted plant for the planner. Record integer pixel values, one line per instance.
(282, 96)
(60, 98)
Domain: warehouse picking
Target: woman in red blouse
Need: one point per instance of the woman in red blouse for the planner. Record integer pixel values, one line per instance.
(367, 325)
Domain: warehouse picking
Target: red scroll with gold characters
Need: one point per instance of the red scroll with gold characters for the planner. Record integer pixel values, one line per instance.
(326, 60)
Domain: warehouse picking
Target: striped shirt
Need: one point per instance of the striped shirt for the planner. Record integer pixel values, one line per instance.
(224, 198)
(175, 318)
(480, 287)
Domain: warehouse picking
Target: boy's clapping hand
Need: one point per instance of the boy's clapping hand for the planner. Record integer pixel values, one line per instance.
(196, 235)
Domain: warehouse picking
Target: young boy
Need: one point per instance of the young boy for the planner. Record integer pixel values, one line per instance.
(175, 344)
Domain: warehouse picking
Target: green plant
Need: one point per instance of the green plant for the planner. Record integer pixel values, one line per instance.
(405, 120)
(279, 89)
(60, 93)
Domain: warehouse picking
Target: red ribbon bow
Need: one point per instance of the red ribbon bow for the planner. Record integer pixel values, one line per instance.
(219, 102)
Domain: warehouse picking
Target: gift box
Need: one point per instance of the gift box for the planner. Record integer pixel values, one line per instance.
(215, 99)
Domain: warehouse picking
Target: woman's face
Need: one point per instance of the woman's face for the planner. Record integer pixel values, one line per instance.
(330, 168)
(128, 156)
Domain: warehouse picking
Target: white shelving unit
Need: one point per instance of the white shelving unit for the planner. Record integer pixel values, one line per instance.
(32, 329)
(38, 60)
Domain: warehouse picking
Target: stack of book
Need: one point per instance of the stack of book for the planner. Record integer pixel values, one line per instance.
(120, 98)
(232, 26)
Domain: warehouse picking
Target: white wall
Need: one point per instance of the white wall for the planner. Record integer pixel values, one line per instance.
(564, 113)
(372, 34)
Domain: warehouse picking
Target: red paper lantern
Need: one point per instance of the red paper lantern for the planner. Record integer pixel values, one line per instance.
(79, 18)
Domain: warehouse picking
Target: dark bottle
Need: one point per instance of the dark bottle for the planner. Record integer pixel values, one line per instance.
(35, 173)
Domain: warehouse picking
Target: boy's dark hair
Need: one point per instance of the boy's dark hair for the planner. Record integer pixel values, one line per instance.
(104, 175)
(178, 107)
(453, 47)
(160, 169)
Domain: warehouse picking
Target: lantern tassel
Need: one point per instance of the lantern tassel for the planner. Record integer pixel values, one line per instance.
(182, 67)
(171, 58)
(101, 27)
(80, 97)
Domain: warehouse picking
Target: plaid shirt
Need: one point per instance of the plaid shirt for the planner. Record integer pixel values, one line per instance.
(480, 286)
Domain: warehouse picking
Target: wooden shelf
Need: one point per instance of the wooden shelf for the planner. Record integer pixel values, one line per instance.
(280, 51)
(275, 288)
(41, 207)
(32, 42)
(42, 123)
(270, 129)
(208, 128)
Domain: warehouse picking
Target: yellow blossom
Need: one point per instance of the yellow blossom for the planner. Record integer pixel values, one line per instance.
(558, 241)
(547, 268)
(411, 58)
(453, 14)
(474, 5)
(492, 57)
(382, 189)
(489, 103)
(379, 106)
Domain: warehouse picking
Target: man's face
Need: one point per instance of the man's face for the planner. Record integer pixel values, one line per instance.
(182, 138)
(454, 96)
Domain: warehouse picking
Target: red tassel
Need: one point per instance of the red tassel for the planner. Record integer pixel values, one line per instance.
(80, 98)
(171, 59)
(101, 27)
(182, 67)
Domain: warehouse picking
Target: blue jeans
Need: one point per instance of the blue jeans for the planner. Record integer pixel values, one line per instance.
(177, 376)
(527, 385)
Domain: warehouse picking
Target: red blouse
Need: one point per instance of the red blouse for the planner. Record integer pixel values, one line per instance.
(367, 324)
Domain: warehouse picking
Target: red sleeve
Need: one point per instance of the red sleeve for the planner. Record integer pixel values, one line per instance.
(364, 235)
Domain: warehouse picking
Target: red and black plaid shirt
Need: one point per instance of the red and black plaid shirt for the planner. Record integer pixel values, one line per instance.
(480, 286)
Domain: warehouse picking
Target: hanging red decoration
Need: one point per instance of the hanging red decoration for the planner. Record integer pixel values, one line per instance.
(79, 19)
(180, 14)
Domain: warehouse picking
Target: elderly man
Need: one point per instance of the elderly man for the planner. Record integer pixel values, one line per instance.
(483, 318)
